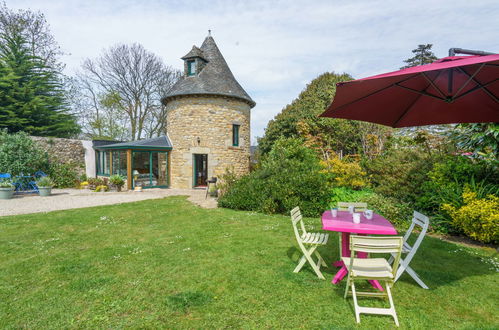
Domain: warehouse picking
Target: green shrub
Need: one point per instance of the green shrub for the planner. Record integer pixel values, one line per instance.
(478, 218)
(345, 173)
(20, 155)
(289, 176)
(64, 175)
(400, 173)
(397, 212)
(446, 183)
(117, 180)
(343, 194)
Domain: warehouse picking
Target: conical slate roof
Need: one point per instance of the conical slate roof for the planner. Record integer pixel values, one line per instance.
(215, 77)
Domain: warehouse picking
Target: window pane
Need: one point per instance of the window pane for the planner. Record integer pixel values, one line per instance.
(119, 162)
(235, 135)
(191, 67)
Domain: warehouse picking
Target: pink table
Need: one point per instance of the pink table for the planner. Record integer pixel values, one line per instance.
(343, 224)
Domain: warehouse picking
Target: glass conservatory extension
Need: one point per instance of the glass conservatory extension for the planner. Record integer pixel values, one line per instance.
(144, 163)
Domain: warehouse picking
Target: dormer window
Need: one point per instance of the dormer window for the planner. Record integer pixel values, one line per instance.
(191, 68)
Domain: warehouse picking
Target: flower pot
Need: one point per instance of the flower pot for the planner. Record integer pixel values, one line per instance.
(6, 193)
(45, 191)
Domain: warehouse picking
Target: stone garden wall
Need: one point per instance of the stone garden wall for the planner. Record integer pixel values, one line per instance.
(63, 150)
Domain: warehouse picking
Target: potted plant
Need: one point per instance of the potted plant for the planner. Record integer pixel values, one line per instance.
(44, 185)
(6, 189)
(117, 181)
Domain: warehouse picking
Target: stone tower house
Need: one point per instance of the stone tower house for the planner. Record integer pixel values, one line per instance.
(208, 119)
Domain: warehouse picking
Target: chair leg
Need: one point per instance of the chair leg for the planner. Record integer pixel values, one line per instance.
(307, 256)
(301, 263)
(322, 262)
(355, 305)
(392, 306)
(415, 276)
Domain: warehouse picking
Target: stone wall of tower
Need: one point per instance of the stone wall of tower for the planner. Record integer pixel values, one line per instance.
(209, 118)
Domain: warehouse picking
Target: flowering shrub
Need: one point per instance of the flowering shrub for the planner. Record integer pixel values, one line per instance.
(478, 217)
(101, 188)
(344, 173)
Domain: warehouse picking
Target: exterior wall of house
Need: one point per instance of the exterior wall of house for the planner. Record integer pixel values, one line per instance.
(203, 125)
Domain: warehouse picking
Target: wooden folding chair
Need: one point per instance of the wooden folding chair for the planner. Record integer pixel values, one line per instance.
(343, 206)
(308, 243)
(423, 222)
(373, 269)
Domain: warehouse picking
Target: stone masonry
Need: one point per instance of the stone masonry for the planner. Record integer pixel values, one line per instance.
(63, 150)
(209, 118)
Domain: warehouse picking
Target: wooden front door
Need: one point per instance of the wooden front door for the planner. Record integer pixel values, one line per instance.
(200, 170)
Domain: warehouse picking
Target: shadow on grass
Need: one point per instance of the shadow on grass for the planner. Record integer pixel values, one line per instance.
(438, 263)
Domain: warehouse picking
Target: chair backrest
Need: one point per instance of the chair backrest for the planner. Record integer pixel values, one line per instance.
(421, 221)
(343, 206)
(378, 244)
(39, 174)
(296, 218)
(5, 176)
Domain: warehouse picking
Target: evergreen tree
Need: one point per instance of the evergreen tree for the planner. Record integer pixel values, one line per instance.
(300, 119)
(32, 96)
(422, 55)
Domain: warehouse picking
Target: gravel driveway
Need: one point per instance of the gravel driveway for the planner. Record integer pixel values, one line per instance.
(63, 199)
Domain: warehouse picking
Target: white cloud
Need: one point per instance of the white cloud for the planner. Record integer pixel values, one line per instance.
(275, 48)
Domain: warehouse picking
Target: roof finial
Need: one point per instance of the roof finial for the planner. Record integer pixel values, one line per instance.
(209, 33)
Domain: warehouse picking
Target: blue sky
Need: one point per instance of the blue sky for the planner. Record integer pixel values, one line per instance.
(274, 48)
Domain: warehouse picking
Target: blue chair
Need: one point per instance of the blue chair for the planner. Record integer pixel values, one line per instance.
(5, 176)
(39, 174)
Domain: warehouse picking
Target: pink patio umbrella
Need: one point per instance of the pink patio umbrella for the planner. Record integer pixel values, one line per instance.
(454, 89)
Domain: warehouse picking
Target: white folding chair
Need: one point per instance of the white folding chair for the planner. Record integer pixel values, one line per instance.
(343, 206)
(373, 269)
(423, 222)
(308, 243)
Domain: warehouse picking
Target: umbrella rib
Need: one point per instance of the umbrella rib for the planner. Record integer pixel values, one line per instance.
(371, 94)
(479, 87)
(489, 93)
(407, 110)
(469, 79)
(419, 92)
(432, 84)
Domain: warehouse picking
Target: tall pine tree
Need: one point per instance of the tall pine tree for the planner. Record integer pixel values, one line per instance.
(32, 96)
(422, 55)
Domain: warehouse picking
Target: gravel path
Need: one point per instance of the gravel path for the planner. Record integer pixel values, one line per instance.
(63, 199)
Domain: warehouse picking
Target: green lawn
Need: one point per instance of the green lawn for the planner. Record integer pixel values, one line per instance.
(168, 263)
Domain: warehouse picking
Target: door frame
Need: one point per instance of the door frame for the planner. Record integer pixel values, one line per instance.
(194, 169)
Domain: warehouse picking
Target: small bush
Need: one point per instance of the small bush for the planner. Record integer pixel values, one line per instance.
(289, 176)
(478, 218)
(20, 155)
(101, 188)
(64, 175)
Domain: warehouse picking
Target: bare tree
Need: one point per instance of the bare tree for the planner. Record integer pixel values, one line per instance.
(137, 79)
(34, 28)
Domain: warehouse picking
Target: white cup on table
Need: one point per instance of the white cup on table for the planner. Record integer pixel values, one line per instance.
(356, 217)
(334, 212)
(351, 209)
(368, 214)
